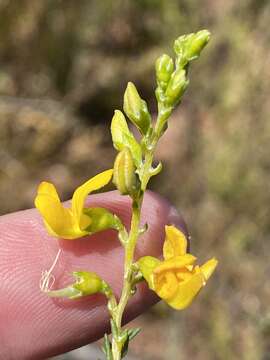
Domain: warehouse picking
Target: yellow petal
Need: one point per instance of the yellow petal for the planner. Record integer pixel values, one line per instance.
(208, 268)
(81, 192)
(185, 273)
(175, 243)
(175, 263)
(58, 220)
(47, 188)
(186, 292)
(165, 285)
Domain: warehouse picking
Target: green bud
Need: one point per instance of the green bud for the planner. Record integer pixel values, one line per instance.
(136, 109)
(176, 87)
(188, 47)
(124, 176)
(164, 70)
(199, 41)
(87, 283)
(122, 137)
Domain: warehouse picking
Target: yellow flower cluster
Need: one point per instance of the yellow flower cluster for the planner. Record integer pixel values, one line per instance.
(176, 279)
(68, 223)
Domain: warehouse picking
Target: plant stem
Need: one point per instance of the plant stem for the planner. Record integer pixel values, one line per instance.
(130, 245)
(126, 292)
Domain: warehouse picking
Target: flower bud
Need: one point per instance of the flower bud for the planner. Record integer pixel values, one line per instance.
(122, 137)
(119, 127)
(124, 177)
(136, 109)
(176, 87)
(199, 41)
(164, 70)
(188, 47)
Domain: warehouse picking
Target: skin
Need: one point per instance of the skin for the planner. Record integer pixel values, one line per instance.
(34, 326)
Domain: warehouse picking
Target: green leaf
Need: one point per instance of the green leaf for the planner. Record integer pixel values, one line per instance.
(122, 137)
(107, 347)
(133, 332)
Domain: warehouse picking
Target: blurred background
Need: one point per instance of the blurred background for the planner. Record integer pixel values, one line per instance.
(63, 68)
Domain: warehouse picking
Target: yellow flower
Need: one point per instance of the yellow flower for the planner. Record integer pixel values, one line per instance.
(176, 279)
(64, 222)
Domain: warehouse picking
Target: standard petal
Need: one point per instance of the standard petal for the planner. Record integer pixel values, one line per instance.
(47, 188)
(175, 243)
(58, 219)
(81, 192)
(175, 264)
(208, 268)
(186, 292)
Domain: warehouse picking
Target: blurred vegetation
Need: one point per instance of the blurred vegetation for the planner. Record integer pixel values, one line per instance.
(64, 66)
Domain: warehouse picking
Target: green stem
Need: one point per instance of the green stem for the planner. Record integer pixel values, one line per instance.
(146, 173)
(130, 244)
(127, 285)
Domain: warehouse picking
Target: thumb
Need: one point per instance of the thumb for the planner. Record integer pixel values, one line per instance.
(33, 325)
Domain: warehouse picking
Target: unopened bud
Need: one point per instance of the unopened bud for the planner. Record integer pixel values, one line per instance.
(176, 87)
(122, 137)
(188, 47)
(119, 128)
(136, 109)
(124, 176)
(199, 41)
(164, 70)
